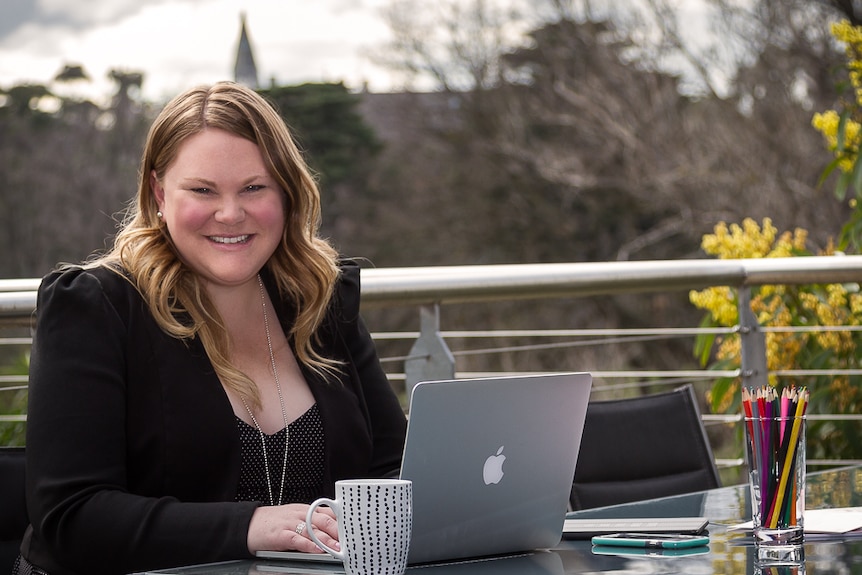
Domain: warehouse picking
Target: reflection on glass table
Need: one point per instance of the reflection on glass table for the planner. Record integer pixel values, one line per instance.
(729, 552)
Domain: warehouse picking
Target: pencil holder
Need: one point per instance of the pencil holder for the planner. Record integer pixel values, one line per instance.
(776, 460)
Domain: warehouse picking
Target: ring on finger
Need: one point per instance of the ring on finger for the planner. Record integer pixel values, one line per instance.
(300, 528)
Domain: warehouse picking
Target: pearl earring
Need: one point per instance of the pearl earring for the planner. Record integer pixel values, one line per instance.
(159, 215)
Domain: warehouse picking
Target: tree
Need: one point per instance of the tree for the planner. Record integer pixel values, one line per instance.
(579, 135)
(68, 167)
(340, 146)
(600, 135)
(450, 45)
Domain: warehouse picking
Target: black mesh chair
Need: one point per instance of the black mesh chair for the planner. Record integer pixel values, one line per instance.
(13, 508)
(642, 448)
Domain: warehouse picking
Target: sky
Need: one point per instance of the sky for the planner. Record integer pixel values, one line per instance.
(178, 44)
(181, 43)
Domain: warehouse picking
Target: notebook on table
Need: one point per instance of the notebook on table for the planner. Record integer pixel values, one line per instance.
(492, 462)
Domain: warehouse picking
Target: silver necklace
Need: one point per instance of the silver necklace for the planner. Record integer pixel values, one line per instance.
(283, 411)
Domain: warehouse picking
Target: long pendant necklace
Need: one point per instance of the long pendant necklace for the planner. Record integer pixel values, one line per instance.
(283, 411)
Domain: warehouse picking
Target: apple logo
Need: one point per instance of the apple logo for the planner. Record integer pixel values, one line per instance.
(493, 470)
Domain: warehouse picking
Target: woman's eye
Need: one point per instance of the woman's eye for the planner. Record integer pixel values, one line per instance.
(253, 188)
(201, 190)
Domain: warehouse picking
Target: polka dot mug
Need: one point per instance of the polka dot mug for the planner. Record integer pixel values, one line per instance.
(375, 520)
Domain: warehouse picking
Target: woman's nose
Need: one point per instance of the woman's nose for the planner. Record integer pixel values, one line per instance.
(230, 211)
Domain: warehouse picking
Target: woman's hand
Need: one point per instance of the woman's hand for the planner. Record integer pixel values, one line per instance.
(283, 528)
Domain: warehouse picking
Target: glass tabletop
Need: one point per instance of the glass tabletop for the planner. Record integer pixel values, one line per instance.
(730, 552)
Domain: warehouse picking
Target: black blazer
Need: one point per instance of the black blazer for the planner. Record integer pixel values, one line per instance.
(133, 452)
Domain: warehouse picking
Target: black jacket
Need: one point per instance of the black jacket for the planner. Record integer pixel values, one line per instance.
(133, 452)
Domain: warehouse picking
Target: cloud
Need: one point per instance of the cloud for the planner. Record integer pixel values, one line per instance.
(181, 43)
(16, 13)
(77, 14)
(71, 15)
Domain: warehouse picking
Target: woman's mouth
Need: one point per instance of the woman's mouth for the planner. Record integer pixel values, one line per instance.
(230, 239)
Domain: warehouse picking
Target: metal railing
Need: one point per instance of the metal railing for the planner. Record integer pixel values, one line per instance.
(431, 288)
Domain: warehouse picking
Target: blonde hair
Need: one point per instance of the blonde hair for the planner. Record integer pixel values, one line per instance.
(304, 265)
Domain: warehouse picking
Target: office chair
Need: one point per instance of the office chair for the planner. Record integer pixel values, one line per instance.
(643, 448)
(13, 508)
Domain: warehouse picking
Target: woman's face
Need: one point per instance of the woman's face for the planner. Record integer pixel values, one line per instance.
(223, 209)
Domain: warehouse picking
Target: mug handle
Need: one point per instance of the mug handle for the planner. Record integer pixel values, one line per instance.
(336, 507)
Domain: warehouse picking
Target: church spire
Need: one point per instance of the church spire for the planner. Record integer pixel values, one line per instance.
(245, 70)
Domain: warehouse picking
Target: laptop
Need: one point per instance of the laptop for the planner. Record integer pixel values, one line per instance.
(492, 462)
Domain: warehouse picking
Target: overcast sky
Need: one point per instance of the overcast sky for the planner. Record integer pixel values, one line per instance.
(181, 43)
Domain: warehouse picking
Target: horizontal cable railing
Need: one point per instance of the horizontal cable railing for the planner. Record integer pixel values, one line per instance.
(431, 288)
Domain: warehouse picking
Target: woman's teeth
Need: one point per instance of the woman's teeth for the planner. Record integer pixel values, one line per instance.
(230, 240)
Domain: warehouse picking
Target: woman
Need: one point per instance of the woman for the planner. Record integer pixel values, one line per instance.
(193, 389)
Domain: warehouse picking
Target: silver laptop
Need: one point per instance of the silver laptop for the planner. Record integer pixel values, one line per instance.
(492, 462)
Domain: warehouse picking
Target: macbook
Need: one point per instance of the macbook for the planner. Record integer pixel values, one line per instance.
(492, 462)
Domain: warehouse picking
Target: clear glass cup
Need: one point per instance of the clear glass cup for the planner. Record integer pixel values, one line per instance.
(776, 461)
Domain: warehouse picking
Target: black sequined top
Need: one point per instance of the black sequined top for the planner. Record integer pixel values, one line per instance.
(304, 476)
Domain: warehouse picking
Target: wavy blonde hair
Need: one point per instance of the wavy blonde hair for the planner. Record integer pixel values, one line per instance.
(304, 265)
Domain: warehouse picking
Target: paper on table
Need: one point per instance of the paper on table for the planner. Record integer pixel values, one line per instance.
(834, 521)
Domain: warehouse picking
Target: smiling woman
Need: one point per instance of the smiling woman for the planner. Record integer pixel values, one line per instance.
(192, 390)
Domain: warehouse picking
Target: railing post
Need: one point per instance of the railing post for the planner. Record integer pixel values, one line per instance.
(753, 349)
(429, 358)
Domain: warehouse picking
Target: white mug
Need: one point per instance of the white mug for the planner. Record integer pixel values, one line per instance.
(375, 521)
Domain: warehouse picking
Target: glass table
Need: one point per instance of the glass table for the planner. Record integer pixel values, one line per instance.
(730, 552)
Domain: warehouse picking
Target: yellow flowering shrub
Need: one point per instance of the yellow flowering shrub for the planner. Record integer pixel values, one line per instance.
(842, 130)
(828, 124)
(828, 306)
